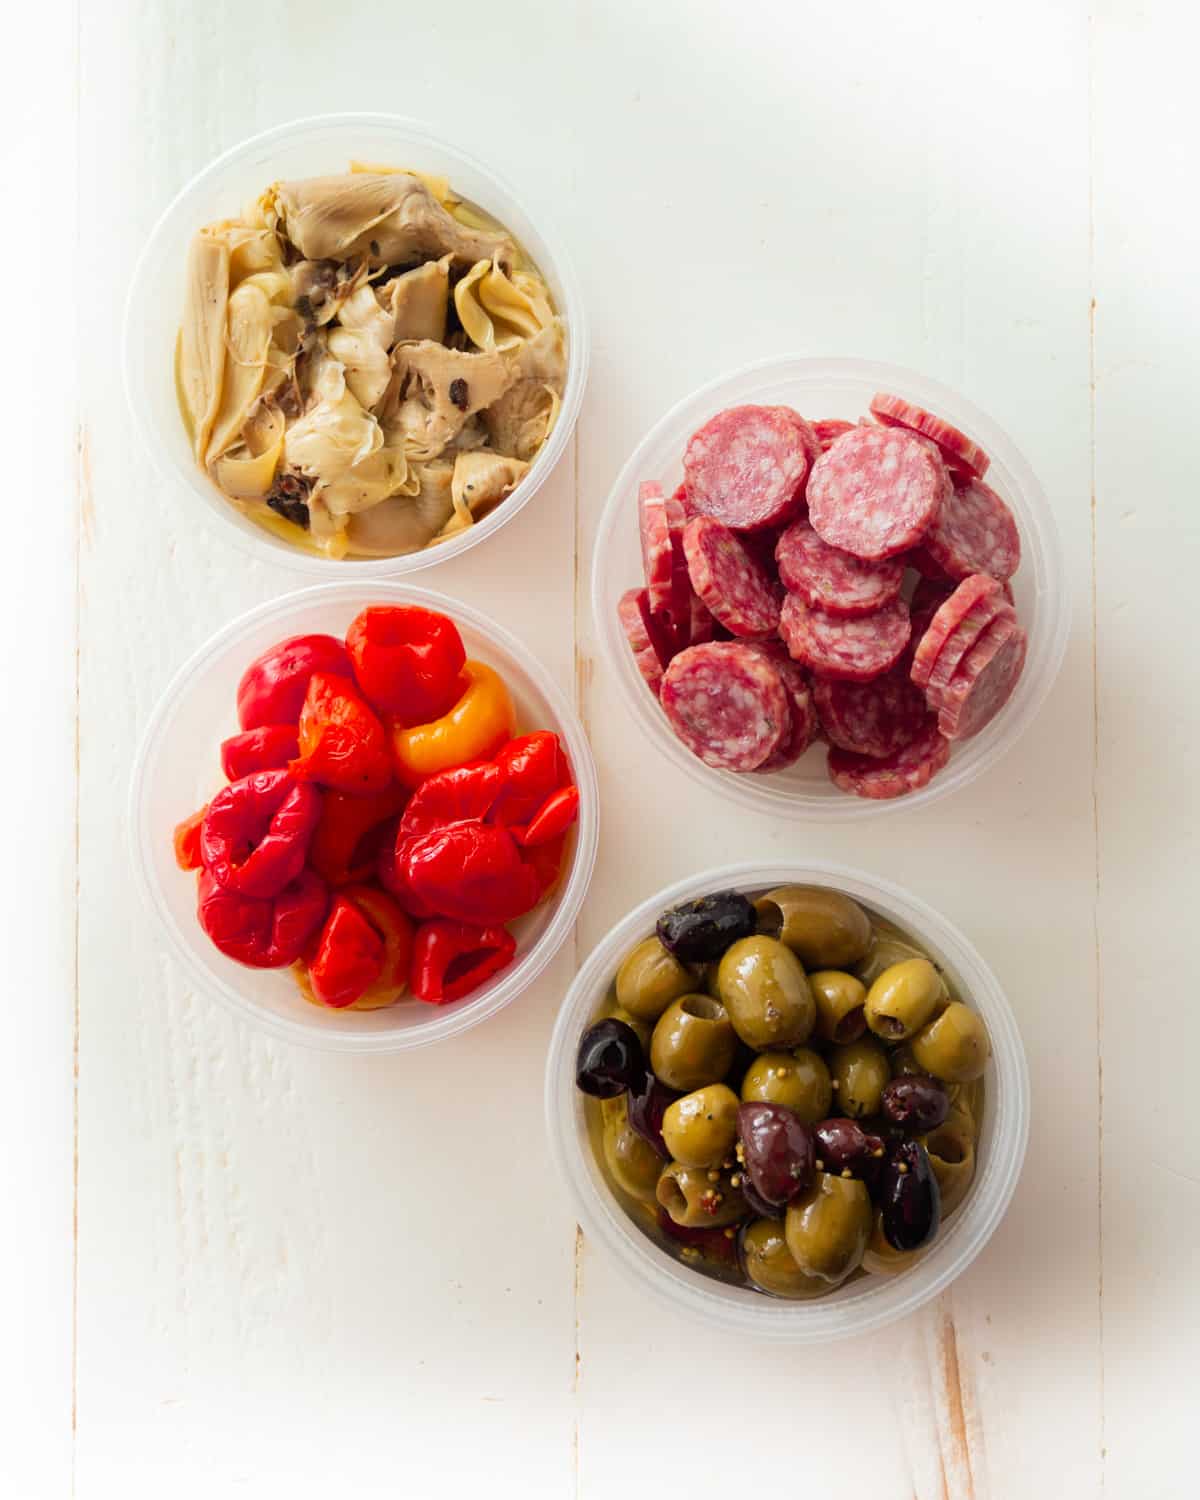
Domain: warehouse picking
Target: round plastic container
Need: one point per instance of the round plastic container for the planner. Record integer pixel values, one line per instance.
(867, 1302)
(309, 148)
(178, 770)
(833, 388)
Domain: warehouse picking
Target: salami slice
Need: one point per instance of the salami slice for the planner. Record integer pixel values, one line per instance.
(974, 532)
(658, 632)
(874, 718)
(827, 578)
(908, 770)
(947, 619)
(800, 701)
(656, 545)
(984, 681)
(964, 636)
(746, 467)
(895, 411)
(679, 611)
(629, 612)
(875, 492)
(808, 433)
(703, 625)
(920, 561)
(829, 429)
(727, 703)
(846, 650)
(730, 583)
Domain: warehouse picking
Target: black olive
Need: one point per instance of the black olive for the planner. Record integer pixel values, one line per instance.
(844, 1146)
(609, 1060)
(758, 1203)
(910, 1199)
(648, 1102)
(776, 1150)
(915, 1103)
(699, 931)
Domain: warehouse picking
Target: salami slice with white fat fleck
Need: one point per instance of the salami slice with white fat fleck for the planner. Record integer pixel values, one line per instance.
(874, 718)
(703, 626)
(656, 545)
(657, 631)
(876, 492)
(845, 650)
(984, 682)
(908, 770)
(728, 580)
(747, 466)
(960, 451)
(679, 610)
(827, 578)
(803, 709)
(629, 611)
(974, 532)
(727, 703)
(962, 638)
(970, 592)
(829, 429)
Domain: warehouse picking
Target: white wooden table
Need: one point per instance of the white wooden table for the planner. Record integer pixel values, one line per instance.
(230, 1267)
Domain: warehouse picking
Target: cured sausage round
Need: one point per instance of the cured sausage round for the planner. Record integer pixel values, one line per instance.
(800, 702)
(829, 429)
(974, 532)
(656, 545)
(726, 701)
(946, 620)
(876, 491)
(874, 718)
(827, 578)
(964, 636)
(847, 650)
(895, 411)
(629, 612)
(908, 770)
(730, 583)
(746, 467)
(984, 682)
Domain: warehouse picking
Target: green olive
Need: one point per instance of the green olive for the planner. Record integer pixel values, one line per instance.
(649, 979)
(693, 1043)
(882, 1259)
(904, 998)
(632, 1161)
(763, 987)
(828, 1226)
(700, 1129)
(641, 1029)
(699, 1197)
(769, 1263)
(951, 1149)
(840, 999)
(825, 929)
(860, 1073)
(800, 1080)
(886, 949)
(953, 1047)
(968, 1098)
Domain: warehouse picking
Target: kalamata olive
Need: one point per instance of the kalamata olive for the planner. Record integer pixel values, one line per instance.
(757, 1203)
(699, 931)
(648, 1103)
(609, 1060)
(715, 1244)
(916, 1104)
(844, 1146)
(776, 1150)
(910, 1199)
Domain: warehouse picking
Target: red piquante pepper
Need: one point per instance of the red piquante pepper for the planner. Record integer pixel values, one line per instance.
(352, 833)
(450, 959)
(349, 956)
(342, 743)
(274, 685)
(255, 835)
(535, 767)
(187, 841)
(407, 661)
(395, 927)
(262, 934)
(267, 748)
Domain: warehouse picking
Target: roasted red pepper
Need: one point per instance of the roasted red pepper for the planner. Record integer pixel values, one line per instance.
(187, 841)
(349, 956)
(263, 934)
(255, 835)
(450, 959)
(264, 749)
(273, 686)
(342, 743)
(472, 872)
(352, 832)
(395, 927)
(535, 767)
(407, 661)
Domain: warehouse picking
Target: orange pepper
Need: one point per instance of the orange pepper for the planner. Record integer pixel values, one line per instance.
(390, 923)
(475, 728)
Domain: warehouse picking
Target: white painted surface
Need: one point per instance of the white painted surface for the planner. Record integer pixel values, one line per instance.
(303, 1274)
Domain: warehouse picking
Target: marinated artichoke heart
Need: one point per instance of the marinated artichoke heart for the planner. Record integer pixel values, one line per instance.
(367, 364)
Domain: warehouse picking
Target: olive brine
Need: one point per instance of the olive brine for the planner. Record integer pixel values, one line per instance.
(787, 1093)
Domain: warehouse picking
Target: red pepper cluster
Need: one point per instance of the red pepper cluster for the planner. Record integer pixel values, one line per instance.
(329, 851)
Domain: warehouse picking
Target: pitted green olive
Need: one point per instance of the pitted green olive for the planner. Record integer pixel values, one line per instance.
(904, 998)
(649, 979)
(951, 1149)
(700, 1129)
(768, 1262)
(840, 1000)
(825, 929)
(693, 1043)
(641, 1029)
(860, 1073)
(954, 1046)
(700, 1197)
(800, 1080)
(828, 1226)
(886, 949)
(882, 1259)
(633, 1162)
(763, 988)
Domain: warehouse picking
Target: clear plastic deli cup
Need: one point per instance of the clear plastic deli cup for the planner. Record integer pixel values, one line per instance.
(866, 1302)
(821, 388)
(309, 148)
(178, 770)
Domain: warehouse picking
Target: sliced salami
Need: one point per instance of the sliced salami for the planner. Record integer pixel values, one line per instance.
(808, 433)
(728, 580)
(656, 545)
(827, 578)
(746, 467)
(984, 681)
(895, 411)
(974, 532)
(844, 650)
(829, 429)
(703, 625)
(908, 770)
(920, 561)
(726, 701)
(679, 611)
(800, 701)
(969, 630)
(876, 492)
(947, 619)
(629, 612)
(658, 632)
(874, 718)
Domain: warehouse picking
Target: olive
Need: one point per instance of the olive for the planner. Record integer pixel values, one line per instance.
(902, 1063)
(903, 998)
(649, 979)
(776, 1149)
(699, 931)
(840, 999)
(609, 1060)
(648, 1104)
(693, 1043)
(634, 1163)
(954, 1047)
(699, 1197)
(885, 950)
(700, 1128)
(860, 1070)
(880, 1258)
(828, 1226)
(951, 1151)
(915, 1104)
(968, 1098)
(768, 1263)
(641, 1029)
(843, 1146)
(712, 1244)
(756, 1203)
(764, 990)
(798, 1079)
(910, 1199)
(825, 929)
